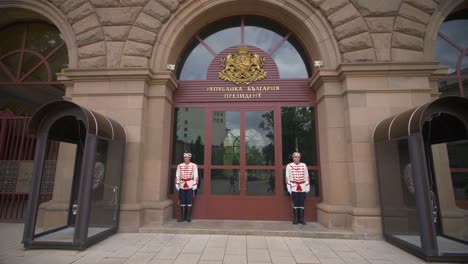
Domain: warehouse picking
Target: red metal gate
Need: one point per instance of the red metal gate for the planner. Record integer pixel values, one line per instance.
(16, 166)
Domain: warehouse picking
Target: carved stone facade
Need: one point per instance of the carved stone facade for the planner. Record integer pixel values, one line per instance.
(378, 61)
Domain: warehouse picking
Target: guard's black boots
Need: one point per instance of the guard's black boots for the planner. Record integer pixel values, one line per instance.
(295, 216)
(182, 214)
(189, 213)
(301, 216)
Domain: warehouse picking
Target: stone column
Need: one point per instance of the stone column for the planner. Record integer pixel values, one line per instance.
(157, 208)
(122, 95)
(351, 100)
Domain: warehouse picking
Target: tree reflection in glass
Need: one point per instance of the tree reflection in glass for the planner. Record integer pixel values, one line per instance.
(225, 144)
(259, 138)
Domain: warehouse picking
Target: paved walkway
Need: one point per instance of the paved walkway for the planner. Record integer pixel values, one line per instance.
(159, 248)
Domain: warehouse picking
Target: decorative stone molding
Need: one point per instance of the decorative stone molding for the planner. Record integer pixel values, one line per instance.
(135, 25)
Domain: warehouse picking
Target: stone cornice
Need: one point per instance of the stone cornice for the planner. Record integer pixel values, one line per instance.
(383, 69)
(124, 74)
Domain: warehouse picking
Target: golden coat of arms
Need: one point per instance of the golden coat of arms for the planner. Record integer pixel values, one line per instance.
(242, 67)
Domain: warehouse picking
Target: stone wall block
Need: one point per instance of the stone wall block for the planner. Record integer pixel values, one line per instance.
(157, 11)
(96, 62)
(426, 5)
(343, 15)
(414, 14)
(170, 4)
(406, 55)
(114, 51)
(365, 55)
(116, 33)
(115, 16)
(351, 28)
(330, 6)
(80, 13)
(148, 22)
(357, 42)
(89, 37)
(315, 3)
(86, 24)
(410, 27)
(377, 7)
(134, 61)
(92, 50)
(133, 2)
(405, 41)
(70, 5)
(380, 24)
(105, 3)
(382, 44)
(137, 49)
(142, 35)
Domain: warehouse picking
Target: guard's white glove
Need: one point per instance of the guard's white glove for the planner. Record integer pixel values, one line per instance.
(194, 188)
(177, 187)
(307, 188)
(289, 189)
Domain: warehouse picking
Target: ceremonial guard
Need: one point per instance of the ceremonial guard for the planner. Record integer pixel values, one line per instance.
(186, 183)
(297, 182)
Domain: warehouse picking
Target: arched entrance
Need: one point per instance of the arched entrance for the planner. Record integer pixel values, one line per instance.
(31, 53)
(242, 106)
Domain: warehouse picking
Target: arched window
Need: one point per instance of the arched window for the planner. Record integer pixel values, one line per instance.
(277, 41)
(451, 49)
(31, 53)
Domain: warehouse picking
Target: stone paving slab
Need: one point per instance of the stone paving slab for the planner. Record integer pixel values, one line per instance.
(162, 248)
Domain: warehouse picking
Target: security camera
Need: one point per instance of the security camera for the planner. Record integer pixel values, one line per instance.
(170, 67)
(318, 64)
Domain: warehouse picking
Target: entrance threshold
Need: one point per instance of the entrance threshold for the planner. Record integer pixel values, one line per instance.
(253, 228)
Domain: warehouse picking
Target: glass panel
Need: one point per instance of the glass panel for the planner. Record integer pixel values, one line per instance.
(189, 135)
(289, 62)
(29, 61)
(225, 145)
(14, 35)
(447, 54)
(38, 75)
(225, 182)
(58, 62)
(104, 192)
(261, 182)
(4, 77)
(196, 65)
(222, 34)
(42, 38)
(449, 87)
(456, 31)
(314, 184)
(451, 173)
(261, 38)
(465, 86)
(259, 138)
(59, 167)
(298, 129)
(464, 66)
(11, 62)
(172, 189)
(224, 39)
(397, 191)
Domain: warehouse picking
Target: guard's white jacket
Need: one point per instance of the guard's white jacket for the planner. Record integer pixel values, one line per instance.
(186, 176)
(297, 177)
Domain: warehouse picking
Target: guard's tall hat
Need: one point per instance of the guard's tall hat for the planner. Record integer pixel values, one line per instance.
(186, 154)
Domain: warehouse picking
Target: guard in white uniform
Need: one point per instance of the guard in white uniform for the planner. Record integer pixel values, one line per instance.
(186, 183)
(297, 181)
